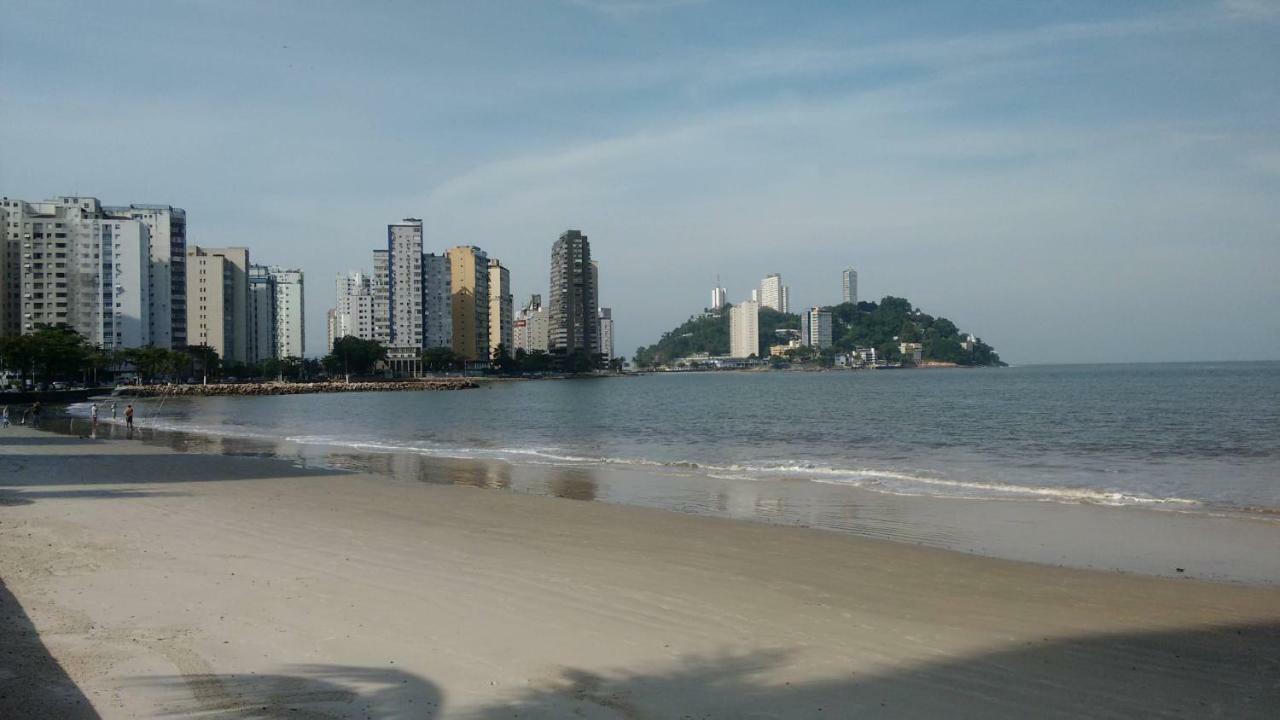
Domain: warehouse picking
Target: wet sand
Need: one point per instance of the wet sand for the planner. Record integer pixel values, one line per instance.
(143, 582)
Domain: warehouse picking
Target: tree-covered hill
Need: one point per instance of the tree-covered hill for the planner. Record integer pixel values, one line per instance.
(867, 324)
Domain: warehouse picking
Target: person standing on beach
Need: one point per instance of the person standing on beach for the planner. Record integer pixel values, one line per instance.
(4, 417)
(93, 414)
(35, 414)
(113, 409)
(128, 416)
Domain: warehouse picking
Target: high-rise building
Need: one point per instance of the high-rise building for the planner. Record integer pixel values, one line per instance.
(719, 297)
(501, 310)
(849, 288)
(67, 261)
(290, 312)
(218, 300)
(167, 272)
(773, 294)
(744, 329)
(352, 314)
(815, 328)
(530, 331)
(398, 289)
(606, 333)
(262, 314)
(469, 277)
(437, 304)
(573, 322)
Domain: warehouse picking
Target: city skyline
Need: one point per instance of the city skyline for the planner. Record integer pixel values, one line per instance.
(1013, 168)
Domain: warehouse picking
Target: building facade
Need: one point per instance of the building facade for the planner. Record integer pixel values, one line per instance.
(815, 328)
(290, 312)
(218, 300)
(469, 277)
(773, 294)
(262, 314)
(719, 298)
(849, 286)
(501, 310)
(744, 329)
(398, 287)
(606, 333)
(352, 314)
(167, 272)
(530, 331)
(573, 323)
(437, 308)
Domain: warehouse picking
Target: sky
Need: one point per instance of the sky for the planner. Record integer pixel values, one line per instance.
(1072, 181)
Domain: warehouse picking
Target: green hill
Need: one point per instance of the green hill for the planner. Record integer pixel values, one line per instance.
(867, 324)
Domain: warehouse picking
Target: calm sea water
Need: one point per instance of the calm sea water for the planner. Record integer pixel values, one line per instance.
(1169, 436)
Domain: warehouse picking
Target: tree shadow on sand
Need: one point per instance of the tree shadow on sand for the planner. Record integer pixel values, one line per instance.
(1227, 672)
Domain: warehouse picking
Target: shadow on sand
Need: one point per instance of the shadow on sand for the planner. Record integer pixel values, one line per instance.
(32, 683)
(1228, 672)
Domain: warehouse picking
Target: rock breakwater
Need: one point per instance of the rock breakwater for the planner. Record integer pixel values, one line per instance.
(285, 388)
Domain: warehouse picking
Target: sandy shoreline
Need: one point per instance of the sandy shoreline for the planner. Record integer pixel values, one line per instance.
(142, 582)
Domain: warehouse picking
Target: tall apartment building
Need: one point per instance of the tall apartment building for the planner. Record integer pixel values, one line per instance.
(352, 314)
(606, 333)
(744, 329)
(773, 294)
(290, 312)
(398, 288)
(262, 314)
(218, 300)
(815, 328)
(849, 286)
(530, 328)
(67, 261)
(573, 322)
(167, 272)
(501, 310)
(437, 307)
(469, 277)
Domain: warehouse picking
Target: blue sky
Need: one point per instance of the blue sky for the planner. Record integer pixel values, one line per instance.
(1072, 181)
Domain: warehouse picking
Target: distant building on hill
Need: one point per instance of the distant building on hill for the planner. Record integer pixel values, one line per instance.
(849, 286)
(815, 328)
(719, 297)
(775, 295)
(744, 329)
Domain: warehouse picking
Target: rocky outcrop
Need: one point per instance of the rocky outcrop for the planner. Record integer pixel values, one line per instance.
(285, 388)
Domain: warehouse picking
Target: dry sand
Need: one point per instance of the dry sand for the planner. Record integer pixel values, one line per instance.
(141, 582)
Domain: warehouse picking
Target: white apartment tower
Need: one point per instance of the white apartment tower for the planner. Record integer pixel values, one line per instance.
(744, 329)
(67, 261)
(530, 331)
(167, 271)
(352, 314)
(501, 309)
(773, 294)
(719, 297)
(815, 328)
(290, 312)
(849, 287)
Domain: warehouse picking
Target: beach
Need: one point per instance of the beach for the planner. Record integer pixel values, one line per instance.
(144, 582)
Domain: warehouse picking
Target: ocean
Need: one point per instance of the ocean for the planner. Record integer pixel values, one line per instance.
(1188, 437)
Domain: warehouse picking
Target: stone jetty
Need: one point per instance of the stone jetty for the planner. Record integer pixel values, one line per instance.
(286, 388)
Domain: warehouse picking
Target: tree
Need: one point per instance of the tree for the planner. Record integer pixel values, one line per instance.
(503, 362)
(354, 356)
(204, 361)
(441, 359)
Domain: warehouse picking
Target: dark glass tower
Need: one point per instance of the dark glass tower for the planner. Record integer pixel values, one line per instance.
(573, 322)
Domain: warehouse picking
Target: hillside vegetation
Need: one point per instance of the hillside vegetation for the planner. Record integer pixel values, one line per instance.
(867, 324)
